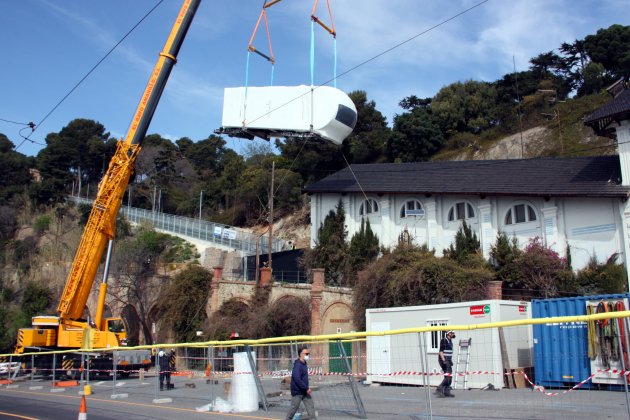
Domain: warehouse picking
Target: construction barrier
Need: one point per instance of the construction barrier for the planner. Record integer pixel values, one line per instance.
(374, 374)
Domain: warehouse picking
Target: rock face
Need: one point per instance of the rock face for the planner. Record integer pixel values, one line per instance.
(509, 147)
(294, 227)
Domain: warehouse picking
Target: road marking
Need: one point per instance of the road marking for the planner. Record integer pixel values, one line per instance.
(18, 416)
(161, 407)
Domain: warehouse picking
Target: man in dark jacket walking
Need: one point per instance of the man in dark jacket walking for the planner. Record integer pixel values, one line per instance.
(300, 391)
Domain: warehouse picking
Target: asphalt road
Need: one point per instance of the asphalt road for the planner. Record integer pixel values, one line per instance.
(35, 399)
(42, 405)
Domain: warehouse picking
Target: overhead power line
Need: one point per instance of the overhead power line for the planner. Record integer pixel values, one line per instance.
(382, 53)
(28, 138)
(30, 124)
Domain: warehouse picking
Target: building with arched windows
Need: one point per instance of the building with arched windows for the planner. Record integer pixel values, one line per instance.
(578, 203)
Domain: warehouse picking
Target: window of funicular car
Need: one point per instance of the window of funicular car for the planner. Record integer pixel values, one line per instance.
(346, 115)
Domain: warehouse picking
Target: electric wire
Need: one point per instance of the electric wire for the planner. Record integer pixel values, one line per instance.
(27, 125)
(313, 88)
(16, 122)
(291, 166)
(346, 72)
(28, 138)
(382, 53)
(355, 177)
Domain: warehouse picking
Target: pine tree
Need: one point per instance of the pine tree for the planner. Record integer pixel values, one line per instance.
(364, 248)
(502, 253)
(330, 252)
(466, 243)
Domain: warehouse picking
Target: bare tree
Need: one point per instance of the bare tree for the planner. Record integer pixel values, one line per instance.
(135, 267)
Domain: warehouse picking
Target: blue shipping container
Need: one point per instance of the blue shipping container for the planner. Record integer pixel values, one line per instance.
(561, 350)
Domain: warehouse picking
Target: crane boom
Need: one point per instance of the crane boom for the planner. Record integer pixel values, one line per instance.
(101, 224)
(68, 330)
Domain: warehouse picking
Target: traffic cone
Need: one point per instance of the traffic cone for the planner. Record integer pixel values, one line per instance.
(83, 409)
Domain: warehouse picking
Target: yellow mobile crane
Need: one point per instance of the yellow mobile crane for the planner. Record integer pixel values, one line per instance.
(68, 330)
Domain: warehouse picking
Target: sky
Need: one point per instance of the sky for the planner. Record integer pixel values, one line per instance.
(50, 45)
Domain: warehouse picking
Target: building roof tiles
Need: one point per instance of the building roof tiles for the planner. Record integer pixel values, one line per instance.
(543, 177)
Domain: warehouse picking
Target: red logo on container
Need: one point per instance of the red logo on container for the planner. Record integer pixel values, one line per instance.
(522, 308)
(477, 310)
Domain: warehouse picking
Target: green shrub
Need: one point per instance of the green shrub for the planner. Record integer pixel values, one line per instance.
(42, 224)
(412, 275)
(537, 271)
(602, 278)
(183, 303)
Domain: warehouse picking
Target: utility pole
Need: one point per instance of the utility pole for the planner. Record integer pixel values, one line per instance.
(154, 196)
(271, 192)
(518, 108)
(200, 201)
(555, 115)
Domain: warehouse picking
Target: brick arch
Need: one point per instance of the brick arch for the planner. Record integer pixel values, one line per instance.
(132, 322)
(337, 315)
(245, 300)
(284, 297)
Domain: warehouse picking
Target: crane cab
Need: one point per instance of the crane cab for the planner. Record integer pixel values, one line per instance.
(118, 328)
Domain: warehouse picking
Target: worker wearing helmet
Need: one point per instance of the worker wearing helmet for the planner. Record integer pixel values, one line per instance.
(445, 359)
(165, 370)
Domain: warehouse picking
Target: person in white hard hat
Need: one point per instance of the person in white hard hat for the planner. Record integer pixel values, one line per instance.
(445, 359)
(165, 370)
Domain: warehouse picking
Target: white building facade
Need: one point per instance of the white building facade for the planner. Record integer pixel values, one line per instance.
(589, 226)
(578, 204)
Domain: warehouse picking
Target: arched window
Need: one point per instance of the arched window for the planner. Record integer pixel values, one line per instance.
(520, 213)
(369, 206)
(461, 211)
(412, 208)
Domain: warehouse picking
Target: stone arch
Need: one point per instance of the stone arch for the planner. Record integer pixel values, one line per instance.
(243, 299)
(229, 318)
(132, 322)
(337, 318)
(289, 315)
(283, 298)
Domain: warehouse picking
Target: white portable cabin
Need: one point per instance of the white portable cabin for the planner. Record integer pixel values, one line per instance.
(397, 358)
(288, 111)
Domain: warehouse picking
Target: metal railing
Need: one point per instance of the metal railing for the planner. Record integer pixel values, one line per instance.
(278, 276)
(215, 233)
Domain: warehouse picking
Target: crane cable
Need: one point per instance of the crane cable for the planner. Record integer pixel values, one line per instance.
(331, 30)
(251, 49)
(250, 46)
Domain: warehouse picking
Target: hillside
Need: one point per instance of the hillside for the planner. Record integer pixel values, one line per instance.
(550, 130)
(542, 136)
